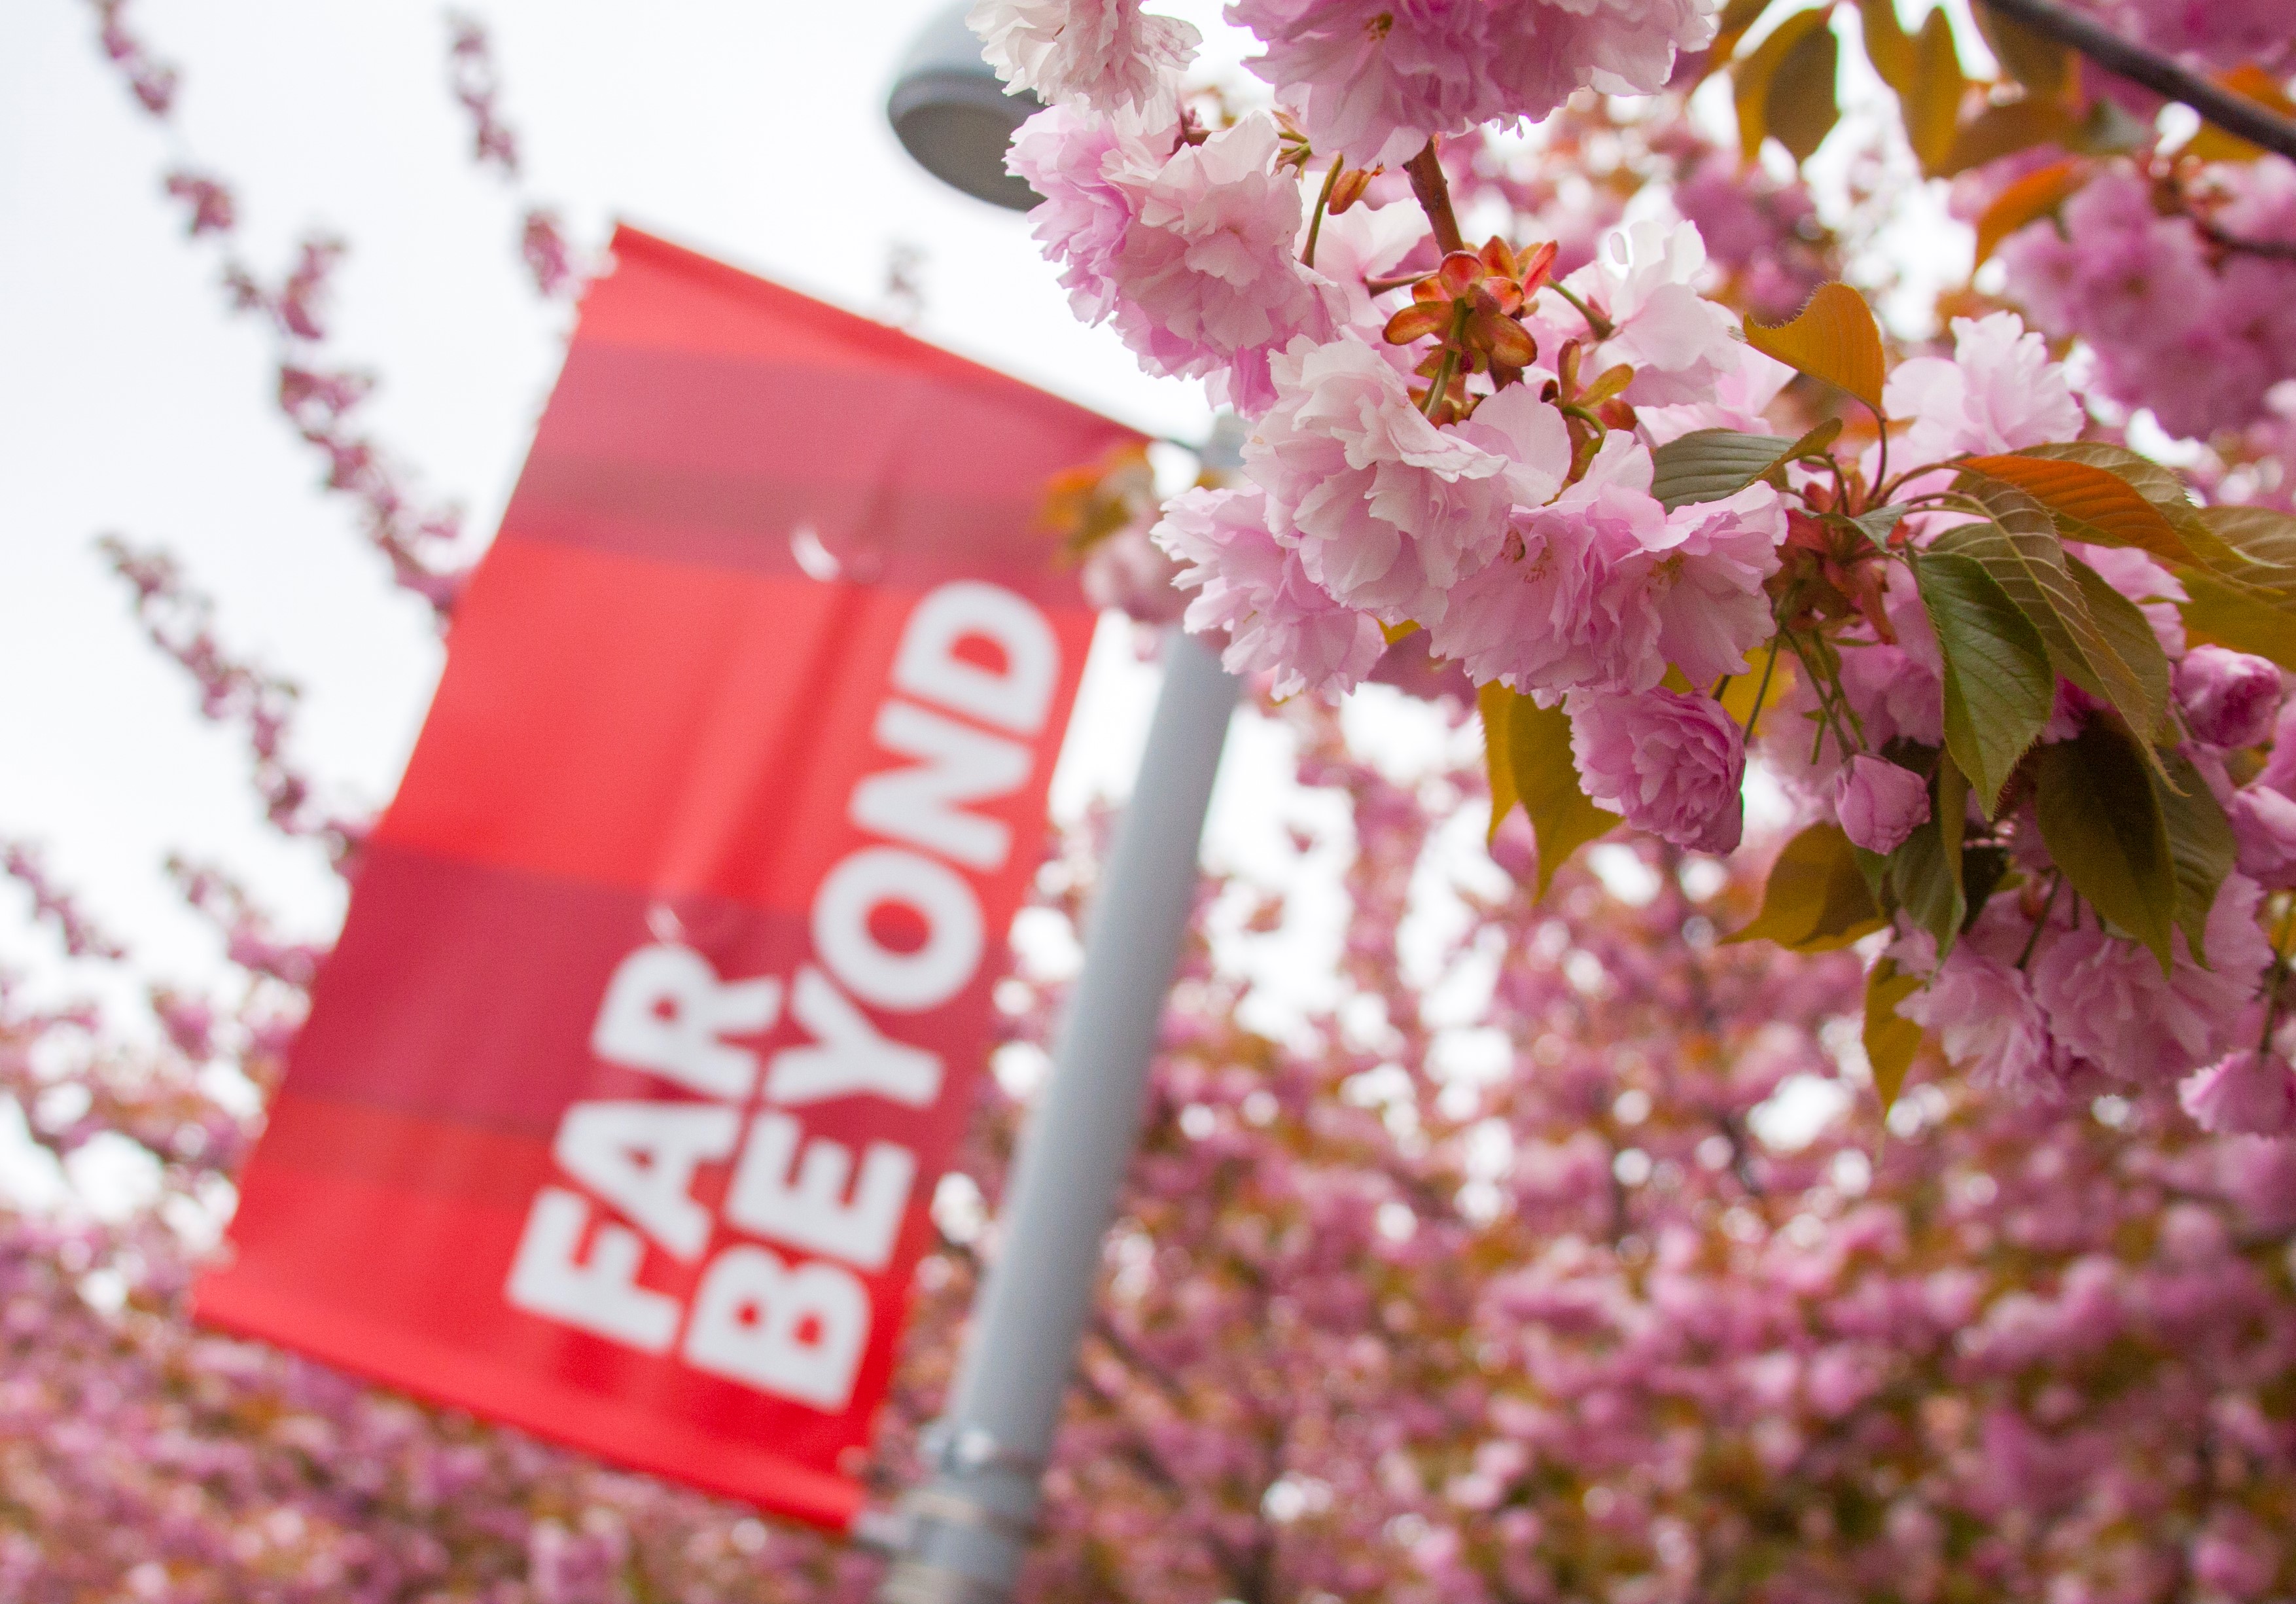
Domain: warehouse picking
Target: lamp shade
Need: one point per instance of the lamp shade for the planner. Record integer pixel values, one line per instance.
(951, 114)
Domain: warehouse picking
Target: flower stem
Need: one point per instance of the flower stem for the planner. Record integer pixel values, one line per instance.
(1762, 691)
(2276, 978)
(1602, 327)
(1433, 193)
(1817, 684)
(1441, 385)
(1316, 223)
(2056, 883)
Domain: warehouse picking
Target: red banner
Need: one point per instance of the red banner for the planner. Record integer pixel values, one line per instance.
(665, 976)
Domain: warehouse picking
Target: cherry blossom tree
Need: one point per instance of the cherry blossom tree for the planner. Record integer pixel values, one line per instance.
(1544, 1295)
(1374, 1322)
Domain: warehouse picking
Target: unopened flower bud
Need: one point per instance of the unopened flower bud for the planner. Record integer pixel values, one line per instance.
(1879, 805)
(2229, 698)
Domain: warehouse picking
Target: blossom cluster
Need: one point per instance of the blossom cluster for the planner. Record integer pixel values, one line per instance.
(1573, 489)
(1591, 1320)
(2190, 307)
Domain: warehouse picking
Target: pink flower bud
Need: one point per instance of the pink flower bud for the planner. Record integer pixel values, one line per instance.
(1878, 803)
(2229, 698)
(2247, 1092)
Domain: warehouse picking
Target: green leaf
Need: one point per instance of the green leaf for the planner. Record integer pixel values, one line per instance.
(2201, 846)
(1800, 104)
(1751, 78)
(1711, 464)
(1815, 898)
(1892, 1039)
(2252, 549)
(1926, 870)
(1834, 338)
(1539, 773)
(2102, 821)
(1877, 524)
(1999, 688)
(2128, 634)
(2093, 501)
(2020, 548)
(2222, 614)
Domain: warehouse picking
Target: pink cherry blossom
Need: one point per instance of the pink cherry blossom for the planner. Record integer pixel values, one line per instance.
(1879, 805)
(2249, 1092)
(1671, 764)
(1377, 80)
(2228, 698)
(1107, 54)
(1373, 79)
(1277, 621)
(2198, 335)
(2279, 770)
(1556, 610)
(1896, 695)
(1388, 511)
(1982, 1011)
(1999, 392)
(1091, 170)
(2220, 33)
(2107, 1002)
(1365, 241)
(1127, 571)
(1644, 278)
(1703, 578)
(1741, 400)
(1207, 275)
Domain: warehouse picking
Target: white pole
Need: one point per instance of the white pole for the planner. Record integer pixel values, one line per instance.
(964, 1533)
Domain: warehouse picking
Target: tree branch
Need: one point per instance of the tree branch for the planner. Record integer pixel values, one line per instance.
(2236, 114)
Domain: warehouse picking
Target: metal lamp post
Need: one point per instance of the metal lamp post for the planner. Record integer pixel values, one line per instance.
(960, 1538)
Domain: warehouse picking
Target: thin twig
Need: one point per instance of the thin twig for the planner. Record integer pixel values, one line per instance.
(2236, 114)
(2278, 250)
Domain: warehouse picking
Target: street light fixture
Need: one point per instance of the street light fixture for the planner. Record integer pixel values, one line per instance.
(952, 115)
